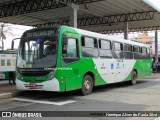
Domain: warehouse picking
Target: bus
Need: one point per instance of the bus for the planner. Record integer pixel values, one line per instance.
(62, 58)
(7, 63)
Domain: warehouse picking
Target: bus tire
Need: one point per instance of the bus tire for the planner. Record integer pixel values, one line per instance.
(87, 85)
(133, 80)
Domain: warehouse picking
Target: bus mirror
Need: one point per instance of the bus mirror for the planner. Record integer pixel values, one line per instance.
(12, 44)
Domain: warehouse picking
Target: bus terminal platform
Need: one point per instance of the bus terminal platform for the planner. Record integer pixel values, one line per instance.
(7, 90)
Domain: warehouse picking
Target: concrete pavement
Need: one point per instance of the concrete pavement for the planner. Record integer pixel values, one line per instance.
(7, 90)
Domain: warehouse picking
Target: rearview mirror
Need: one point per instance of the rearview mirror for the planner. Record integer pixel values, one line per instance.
(12, 44)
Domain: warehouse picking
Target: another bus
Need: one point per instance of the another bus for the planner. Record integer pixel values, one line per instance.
(7, 63)
(64, 58)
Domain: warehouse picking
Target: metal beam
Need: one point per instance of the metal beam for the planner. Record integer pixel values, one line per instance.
(130, 30)
(29, 6)
(147, 15)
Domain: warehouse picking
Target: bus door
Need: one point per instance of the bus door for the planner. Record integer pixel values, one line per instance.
(106, 63)
(70, 62)
(119, 61)
(119, 70)
(105, 69)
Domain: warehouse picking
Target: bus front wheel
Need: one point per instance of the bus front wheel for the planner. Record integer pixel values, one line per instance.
(134, 78)
(87, 85)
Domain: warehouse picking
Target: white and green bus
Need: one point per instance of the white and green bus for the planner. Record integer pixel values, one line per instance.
(65, 58)
(7, 63)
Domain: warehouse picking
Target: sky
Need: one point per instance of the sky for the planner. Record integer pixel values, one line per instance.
(153, 3)
(17, 31)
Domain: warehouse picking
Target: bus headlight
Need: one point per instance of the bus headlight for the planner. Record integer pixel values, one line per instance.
(51, 75)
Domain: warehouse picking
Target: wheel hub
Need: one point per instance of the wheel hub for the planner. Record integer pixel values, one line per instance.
(87, 85)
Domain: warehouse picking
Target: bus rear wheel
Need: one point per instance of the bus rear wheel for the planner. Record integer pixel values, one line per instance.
(134, 78)
(87, 85)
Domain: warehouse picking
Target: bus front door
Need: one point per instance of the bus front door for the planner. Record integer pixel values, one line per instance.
(70, 62)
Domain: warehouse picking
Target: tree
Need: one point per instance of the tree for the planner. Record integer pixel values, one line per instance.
(4, 30)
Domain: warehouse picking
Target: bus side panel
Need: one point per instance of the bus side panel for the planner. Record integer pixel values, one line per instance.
(89, 66)
(62, 84)
(73, 73)
(143, 68)
(71, 76)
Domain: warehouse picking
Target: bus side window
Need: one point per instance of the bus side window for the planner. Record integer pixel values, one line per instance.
(148, 54)
(105, 49)
(136, 52)
(70, 52)
(89, 47)
(118, 50)
(128, 51)
(145, 53)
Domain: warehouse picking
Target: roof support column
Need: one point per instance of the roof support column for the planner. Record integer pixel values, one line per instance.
(73, 15)
(156, 46)
(126, 30)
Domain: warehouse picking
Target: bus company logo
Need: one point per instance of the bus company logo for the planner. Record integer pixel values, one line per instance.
(112, 66)
(103, 66)
(6, 114)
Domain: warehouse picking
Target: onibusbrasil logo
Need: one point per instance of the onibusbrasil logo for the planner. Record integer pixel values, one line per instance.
(21, 114)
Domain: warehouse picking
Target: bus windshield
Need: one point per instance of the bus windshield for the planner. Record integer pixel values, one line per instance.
(37, 53)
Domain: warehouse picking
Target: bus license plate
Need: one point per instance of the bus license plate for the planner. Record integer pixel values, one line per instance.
(32, 85)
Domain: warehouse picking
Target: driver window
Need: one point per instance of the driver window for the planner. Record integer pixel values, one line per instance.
(49, 48)
(69, 50)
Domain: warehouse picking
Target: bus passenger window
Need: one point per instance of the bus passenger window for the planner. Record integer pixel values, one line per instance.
(128, 51)
(105, 49)
(136, 52)
(89, 47)
(69, 51)
(148, 54)
(145, 53)
(118, 50)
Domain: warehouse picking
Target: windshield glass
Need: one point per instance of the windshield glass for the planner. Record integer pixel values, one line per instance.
(37, 53)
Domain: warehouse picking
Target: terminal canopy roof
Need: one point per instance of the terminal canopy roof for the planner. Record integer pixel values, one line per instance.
(105, 16)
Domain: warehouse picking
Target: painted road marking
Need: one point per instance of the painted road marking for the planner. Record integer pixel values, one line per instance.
(5, 94)
(44, 102)
(158, 118)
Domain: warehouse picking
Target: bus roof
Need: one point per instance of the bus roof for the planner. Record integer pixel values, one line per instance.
(107, 37)
(93, 34)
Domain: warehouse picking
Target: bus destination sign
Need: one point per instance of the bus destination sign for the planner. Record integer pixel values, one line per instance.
(40, 33)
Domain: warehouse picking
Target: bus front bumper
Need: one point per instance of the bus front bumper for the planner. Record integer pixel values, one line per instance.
(50, 85)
